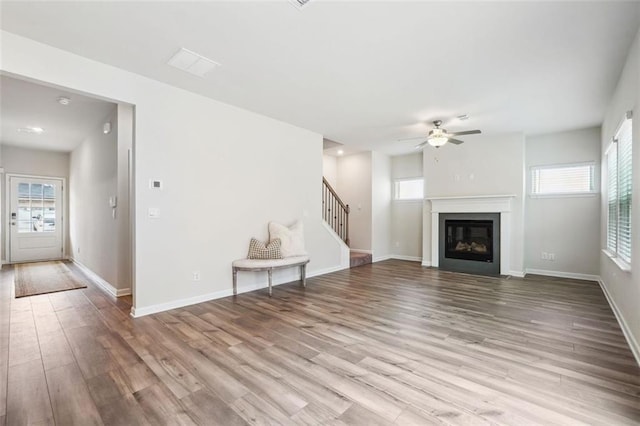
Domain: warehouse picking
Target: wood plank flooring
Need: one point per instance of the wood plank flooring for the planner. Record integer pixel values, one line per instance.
(382, 344)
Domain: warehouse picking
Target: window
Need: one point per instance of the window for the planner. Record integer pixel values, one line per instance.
(36, 207)
(563, 179)
(409, 189)
(619, 190)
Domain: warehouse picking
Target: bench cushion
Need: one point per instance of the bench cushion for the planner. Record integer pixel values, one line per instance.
(269, 263)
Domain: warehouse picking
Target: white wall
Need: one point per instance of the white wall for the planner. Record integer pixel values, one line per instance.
(568, 227)
(38, 163)
(623, 288)
(380, 206)
(330, 169)
(227, 172)
(406, 216)
(483, 165)
(354, 187)
(93, 179)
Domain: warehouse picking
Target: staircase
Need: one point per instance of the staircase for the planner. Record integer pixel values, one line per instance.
(359, 259)
(336, 214)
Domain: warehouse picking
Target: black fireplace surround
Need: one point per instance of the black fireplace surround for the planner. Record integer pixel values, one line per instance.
(470, 242)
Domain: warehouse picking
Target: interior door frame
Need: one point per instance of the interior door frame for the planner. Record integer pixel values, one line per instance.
(7, 216)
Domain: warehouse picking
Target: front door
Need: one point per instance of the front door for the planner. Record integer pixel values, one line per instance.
(35, 219)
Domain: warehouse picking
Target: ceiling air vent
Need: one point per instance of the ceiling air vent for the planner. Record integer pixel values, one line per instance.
(193, 63)
(299, 3)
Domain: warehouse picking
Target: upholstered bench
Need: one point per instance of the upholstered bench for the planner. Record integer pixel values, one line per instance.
(257, 265)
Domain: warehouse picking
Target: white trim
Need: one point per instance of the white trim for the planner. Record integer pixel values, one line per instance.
(624, 266)
(592, 175)
(560, 274)
(403, 257)
(518, 274)
(362, 251)
(7, 218)
(344, 248)
(104, 285)
(475, 204)
(381, 258)
(565, 195)
(326, 271)
(161, 307)
(426, 263)
(174, 304)
(626, 330)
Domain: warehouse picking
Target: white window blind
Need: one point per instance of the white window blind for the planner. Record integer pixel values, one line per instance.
(620, 188)
(409, 189)
(564, 179)
(624, 190)
(612, 198)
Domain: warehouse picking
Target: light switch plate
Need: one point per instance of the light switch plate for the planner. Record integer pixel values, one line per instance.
(154, 212)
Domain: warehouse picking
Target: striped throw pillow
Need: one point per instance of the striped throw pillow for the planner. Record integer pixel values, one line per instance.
(260, 250)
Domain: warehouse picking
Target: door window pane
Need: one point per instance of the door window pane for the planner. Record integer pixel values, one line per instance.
(23, 190)
(36, 207)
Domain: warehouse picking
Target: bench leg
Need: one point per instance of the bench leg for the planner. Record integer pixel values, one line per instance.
(270, 271)
(235, 281)
(303, 275)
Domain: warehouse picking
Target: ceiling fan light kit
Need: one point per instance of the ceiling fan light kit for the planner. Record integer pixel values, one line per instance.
(437, 141)
(438, 136)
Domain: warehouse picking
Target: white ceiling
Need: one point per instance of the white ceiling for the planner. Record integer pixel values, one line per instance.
(365, 73)
(25, 104)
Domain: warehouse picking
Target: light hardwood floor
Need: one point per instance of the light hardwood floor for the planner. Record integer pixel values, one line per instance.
(388, 343)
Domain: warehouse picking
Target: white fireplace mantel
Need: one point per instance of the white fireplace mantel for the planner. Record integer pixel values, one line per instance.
(474, 204)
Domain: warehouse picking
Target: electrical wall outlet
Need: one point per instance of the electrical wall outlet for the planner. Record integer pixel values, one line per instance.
(552, 256)
(196, 275)
(544, 255)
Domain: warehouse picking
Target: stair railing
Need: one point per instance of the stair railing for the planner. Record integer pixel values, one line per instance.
(335, 212)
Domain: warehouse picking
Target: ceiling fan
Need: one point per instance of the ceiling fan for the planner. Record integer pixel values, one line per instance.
(439, 136)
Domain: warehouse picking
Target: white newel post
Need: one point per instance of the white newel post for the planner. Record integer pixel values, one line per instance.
(474, 204)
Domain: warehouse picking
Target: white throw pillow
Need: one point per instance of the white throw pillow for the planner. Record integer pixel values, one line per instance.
(292, 238)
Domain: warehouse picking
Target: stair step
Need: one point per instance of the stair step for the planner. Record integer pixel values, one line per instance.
(359, 259)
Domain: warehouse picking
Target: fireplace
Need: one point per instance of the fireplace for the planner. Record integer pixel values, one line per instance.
(470, 242)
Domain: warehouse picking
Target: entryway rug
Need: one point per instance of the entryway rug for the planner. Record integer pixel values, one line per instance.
(44, 277)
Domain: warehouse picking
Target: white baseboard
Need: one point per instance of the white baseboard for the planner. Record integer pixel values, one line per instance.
(180, 303)
(559, 274)
(397, 256)
(174, 304)
(518, 274)
(403, 257)
(326, 271)
(381, 258)
(101, 282)
(626, 330)
(426, 263)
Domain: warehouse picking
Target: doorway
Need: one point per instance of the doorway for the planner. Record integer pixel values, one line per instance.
(36, 225)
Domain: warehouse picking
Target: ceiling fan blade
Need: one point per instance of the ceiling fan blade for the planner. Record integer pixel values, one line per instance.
(409, 139)
(466, 132)
(455, 141)
(420, 145)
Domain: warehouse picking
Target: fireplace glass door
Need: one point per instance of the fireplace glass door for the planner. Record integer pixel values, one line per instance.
(469, 240)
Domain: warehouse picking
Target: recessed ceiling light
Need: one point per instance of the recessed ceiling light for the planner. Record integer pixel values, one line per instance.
(463, 117)
(340, 152)
(192, 62)
(63, 100)
(30, 129)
